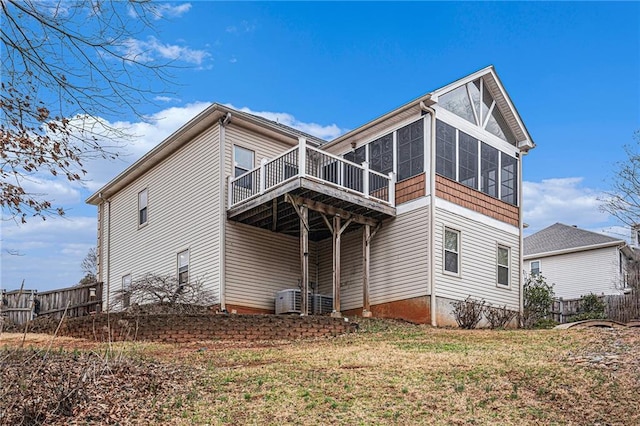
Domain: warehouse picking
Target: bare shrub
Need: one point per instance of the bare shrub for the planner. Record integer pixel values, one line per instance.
(498, 316)
(165, 290)
(468, 312)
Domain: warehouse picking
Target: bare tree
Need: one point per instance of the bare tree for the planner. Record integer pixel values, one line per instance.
(623, 200)
(90, 266)
(65, 65)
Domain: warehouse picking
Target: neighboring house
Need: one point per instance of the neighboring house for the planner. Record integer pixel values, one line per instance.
(576, 261)
(397, 218)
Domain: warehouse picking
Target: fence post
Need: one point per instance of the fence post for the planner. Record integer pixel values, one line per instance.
(302, 156)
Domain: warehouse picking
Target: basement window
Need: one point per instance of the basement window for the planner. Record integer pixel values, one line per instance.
(183, 268)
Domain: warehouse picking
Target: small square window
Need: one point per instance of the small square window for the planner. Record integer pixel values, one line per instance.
(534, 267)
(504, 257)
(142, 207)
(183, 268)
(451, 251)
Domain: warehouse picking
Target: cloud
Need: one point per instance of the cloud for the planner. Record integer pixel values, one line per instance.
(163, 10)
(166, 99)
(242, 27)
(326, 132)
(152, 49)
(563, 200)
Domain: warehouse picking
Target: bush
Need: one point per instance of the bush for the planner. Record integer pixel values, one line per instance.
(591, 307)
(468, 312)
(498, 316)
(538, 301)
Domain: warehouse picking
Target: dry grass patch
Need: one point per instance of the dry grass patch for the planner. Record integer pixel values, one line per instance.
(391, 372)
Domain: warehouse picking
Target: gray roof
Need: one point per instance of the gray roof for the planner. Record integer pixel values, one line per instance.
(289, 129)
(559, 237)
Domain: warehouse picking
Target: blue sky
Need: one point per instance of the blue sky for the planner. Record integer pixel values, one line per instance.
(571, 69)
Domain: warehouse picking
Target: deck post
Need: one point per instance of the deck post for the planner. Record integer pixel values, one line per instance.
(229, 192)
(302, 156)
(304, 257)
(336, 267)
(392, 189)
(366, 252)
(365, 180)
(263, 163)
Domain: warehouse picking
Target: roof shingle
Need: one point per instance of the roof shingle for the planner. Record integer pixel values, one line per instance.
(563, 237)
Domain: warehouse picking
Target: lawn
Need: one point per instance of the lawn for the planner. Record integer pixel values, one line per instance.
(387, 373)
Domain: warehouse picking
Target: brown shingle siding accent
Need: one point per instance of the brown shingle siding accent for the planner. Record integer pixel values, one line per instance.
(477, 201)
(410, 189)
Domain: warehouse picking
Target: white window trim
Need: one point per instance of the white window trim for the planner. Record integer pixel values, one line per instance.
(234, 163)
(444, 270)
(539, 267)
(146, 222)
(508, 266)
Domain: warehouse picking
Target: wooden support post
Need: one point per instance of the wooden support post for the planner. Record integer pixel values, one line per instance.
(304, 257)
(274, 215)
(366, 252)
(336, 267)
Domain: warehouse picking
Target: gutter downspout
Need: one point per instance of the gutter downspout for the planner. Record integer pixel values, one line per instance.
(222, 227)
(521, 229)
(432, 214)
(108, 271)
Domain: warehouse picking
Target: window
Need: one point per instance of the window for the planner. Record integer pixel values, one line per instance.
(126, 294)
(488, 170)
(451, 251)
(242, 160)
(445, 150)
(468, 151)
(509, 179)
(357, 156)
(410, 150)
(504, 254)
(381, 154)
(183, 267)
(142, 207)
(534, 267)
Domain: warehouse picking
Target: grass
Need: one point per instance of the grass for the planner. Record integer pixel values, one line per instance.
(395, 373)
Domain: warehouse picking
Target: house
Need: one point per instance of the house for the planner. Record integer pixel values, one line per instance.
(397, 218)
(578, 262)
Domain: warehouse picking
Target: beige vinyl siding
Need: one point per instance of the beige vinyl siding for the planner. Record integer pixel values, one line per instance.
(350, 268)
(399, 258)
(259, 263)
(183, 213)
(399, 262)
(578, 274)
(478, 261)
(262, 146)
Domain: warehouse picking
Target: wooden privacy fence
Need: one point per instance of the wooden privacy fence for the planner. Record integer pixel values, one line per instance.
(622, 308)
(20, 306)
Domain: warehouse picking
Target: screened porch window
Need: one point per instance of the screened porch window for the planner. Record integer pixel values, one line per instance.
(489, 170)
(411, 150)
(509, 179)
(381, 154)
(445, 150)
(468, 150)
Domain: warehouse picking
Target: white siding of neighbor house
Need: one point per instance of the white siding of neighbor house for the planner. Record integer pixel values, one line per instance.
(578, 274)
(399, 262)
(258, 262)
(183, 213)
(478, 261)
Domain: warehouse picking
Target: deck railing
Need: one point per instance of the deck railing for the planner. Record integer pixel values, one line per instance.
(307, 161)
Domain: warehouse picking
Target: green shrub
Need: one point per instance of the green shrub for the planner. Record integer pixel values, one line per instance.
(591, 307)
(538, 301)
